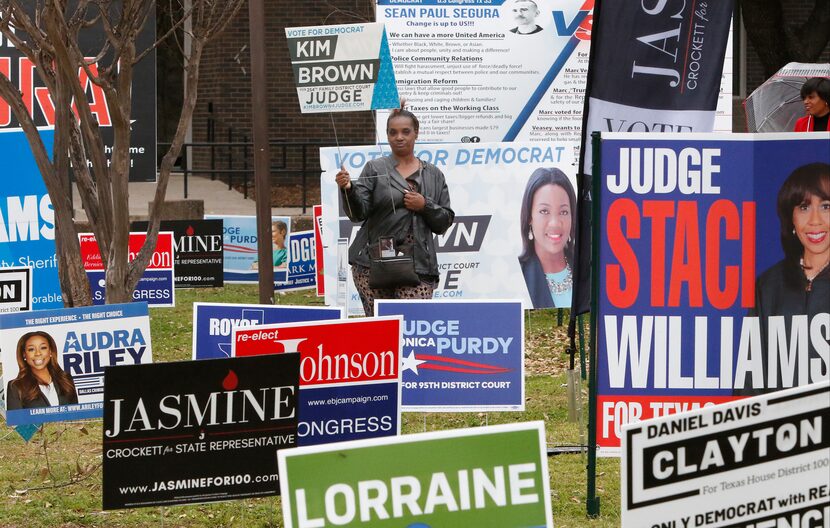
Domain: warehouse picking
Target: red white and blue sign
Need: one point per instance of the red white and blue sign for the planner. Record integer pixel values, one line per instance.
(350, 376)
(156, 287)
(239, 240)
(701, 295)
(214, 322)
(460, 356)
(302, 263)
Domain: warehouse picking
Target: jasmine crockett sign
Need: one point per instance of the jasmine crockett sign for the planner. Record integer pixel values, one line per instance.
(486, 476)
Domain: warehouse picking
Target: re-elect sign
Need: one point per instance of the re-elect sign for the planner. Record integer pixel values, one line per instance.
(461, 355)
(214, 322)
(349, 374)
(485, 476)
(156, 287)
(758, 462)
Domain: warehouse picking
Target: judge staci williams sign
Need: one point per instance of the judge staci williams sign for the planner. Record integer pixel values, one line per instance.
(350, 378)
(486, 476)
(463, 356)
(197, 431)
(342, 68)
(68, 348)
(755, 463)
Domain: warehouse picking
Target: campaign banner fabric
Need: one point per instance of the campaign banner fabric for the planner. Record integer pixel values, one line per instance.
(342, 68)
(699, 302)
(655, 68)
(483, 476)
(318, 249)
(214, 322)
(27, 219)
(240, 244)
(15, 289)
(197, 251)
(350, 376)
(460, 356)
(197, 431)
(479, 255)
(302, 268)
(156, 287)
(71, 346)
(473, 71)
(761, 461)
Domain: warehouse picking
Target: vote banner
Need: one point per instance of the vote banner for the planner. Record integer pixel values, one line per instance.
(701, 295)
(473, 70)
(760, 461)
(239, 242)
(27, 218)
(318, 249)
(197, 251)
(342, 68)
(197, 431)
(483, 476)
(302, 270)
(26, 431)
(15, 289)
(80, 342)
(350, 379)
(460, 356)
(478, 256)
(156, 287)
(214, 322)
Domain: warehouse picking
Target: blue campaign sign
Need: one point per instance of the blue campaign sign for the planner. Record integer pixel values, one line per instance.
(302, 267)
(213, 323)
(27, 219)
(156, 287)
(239, 240)
(460, 356)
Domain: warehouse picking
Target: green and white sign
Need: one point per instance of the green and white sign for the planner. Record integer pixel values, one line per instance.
(485, 476)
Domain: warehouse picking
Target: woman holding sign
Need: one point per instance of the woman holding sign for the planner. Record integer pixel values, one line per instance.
(402, 202)
(40, 381)
(548, 233)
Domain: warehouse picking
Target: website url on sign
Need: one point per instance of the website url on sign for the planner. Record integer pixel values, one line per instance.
(350, 400)
(197, 483)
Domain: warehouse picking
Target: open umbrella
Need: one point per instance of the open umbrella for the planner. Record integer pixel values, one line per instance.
(776, 105)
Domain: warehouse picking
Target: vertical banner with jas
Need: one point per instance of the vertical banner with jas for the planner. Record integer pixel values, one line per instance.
(713, 277)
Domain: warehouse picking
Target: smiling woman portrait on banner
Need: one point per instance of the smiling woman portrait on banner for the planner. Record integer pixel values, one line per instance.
(40, 382)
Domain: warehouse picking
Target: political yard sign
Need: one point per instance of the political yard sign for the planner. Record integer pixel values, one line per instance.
(74, 345)
(302, 266)
(15, 289)
(156, 287)
(214, 322)
(485, 476)
(342, 68)
(197, 251)
(758, 462)
(702, 297)
(239, 241)
(197, 431)
(349, 374)
(460, 355)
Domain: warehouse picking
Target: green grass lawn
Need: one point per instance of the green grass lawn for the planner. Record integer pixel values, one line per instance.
(55, 480)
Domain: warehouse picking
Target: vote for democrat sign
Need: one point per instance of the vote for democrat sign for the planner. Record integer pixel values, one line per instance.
(197, 431)
(479, 255)
(214, 322)
(71, 347)
(460, 355)
(762, 461)
(197, 251)
(156, 287)
(702, 294)
(342, 68)
(350, 380)
(302, 268)
(240, 244)
(486, 476)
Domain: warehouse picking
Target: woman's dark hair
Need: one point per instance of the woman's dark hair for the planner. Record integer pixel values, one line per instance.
(403, 112)
(540, 178)
(27, 384)
(820, 85)
(807, 180)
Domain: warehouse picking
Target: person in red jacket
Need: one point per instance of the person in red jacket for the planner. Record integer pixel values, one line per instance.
(816, 96)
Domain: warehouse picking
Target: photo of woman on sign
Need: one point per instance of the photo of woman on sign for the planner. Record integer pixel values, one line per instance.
(40, 382)
(799, 284)
(548, 238)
